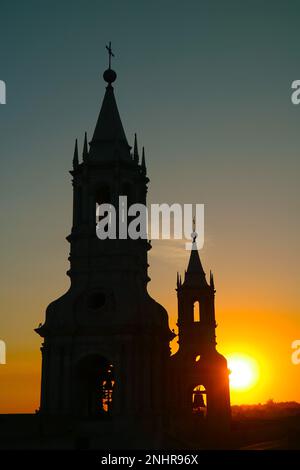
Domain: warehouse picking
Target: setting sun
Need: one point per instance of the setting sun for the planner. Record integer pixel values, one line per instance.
(243, 371)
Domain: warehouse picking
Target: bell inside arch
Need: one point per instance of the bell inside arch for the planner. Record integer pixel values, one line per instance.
(198, 400)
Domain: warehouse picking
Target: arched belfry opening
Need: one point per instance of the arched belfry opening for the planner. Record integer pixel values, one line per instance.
(96, 381)
(196, 311)
(199, 401)
(127, 191)
(103, 195)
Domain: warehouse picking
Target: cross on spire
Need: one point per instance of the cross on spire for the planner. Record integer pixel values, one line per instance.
(110, 54)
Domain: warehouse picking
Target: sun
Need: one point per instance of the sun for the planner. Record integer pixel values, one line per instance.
(244, 371)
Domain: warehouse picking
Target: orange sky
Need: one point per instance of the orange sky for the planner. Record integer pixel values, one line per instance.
(247, 324)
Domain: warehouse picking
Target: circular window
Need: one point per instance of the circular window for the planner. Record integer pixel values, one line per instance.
(96, 300)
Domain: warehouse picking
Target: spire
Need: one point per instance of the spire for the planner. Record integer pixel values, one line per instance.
(211, 281)
(85, 151)
(143, 164)
(177, 282)
(195, 274)
(135, 150)
(75, 158)
(195, 266)
(109, 129)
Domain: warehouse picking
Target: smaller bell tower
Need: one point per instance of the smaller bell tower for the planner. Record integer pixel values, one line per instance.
(196, 309)
(200, 377)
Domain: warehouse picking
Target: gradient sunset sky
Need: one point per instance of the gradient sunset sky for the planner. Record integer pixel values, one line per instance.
(206, 86)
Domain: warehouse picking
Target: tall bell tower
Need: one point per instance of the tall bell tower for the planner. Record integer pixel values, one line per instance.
(106, 341)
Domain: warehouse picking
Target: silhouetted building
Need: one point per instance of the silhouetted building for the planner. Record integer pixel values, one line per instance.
(199, 374)
(106, 354)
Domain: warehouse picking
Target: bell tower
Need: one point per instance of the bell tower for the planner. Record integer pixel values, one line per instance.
(196, 309)
(105, 337)
(200, 386)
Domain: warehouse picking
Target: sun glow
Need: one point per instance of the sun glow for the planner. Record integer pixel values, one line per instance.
(244, 371)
